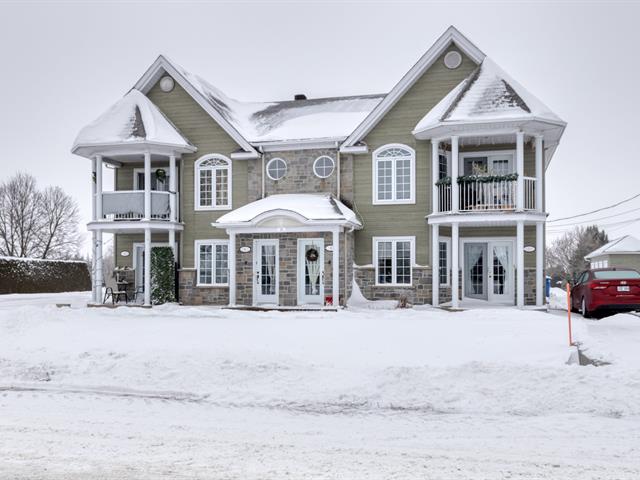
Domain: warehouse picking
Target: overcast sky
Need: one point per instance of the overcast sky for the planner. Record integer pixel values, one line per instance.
(63, 64)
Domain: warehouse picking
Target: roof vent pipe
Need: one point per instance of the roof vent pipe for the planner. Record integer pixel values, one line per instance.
(300, 96)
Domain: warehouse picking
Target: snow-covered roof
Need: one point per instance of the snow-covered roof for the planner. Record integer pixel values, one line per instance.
(132, 119)
(626, 244)
(258, 122)
(487, 95)
(304, 207)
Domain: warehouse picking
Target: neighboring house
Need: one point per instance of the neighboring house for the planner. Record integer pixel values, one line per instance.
(624, 252)
(433, 192)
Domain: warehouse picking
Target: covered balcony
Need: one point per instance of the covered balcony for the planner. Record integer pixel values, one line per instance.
(133, 132)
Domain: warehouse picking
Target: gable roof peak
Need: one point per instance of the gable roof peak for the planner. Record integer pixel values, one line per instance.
(449, 36)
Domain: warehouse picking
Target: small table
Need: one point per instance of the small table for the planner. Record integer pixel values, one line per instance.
(121, 292)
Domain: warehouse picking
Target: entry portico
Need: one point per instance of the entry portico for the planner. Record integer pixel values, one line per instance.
(283, 247)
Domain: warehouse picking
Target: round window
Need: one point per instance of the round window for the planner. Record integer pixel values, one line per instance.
(323, 166)
(452, 60)
(166, 84)
(276, 168)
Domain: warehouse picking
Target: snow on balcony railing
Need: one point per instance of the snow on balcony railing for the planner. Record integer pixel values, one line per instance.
(487, 195)
(129, 205)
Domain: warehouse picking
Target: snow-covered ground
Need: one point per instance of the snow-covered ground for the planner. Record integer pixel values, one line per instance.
(190, 392)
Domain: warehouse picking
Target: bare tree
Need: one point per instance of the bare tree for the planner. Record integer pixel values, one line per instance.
(565, 256)
(19, 221)
(37, 223)
(58, 234)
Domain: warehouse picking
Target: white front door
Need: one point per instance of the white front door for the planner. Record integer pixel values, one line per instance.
(310, 271)
(488, 270)
(265, 272)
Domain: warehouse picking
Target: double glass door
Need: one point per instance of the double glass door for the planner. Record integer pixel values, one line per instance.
(488, 271)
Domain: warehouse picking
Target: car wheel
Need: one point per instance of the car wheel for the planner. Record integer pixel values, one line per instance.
(583, 309)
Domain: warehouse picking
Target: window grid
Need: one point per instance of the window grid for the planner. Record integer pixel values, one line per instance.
(394, 171)
(323, 166)
(213, 176)
(276, 168)
(393, 261)
(443, 264)
(213, 263)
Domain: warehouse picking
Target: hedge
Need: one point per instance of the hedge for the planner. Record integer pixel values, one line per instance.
(32, 275)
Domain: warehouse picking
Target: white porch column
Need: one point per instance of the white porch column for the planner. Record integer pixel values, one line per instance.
(520, 264)
(520, 170)
(335, 264)
(540, 264)
(232, 268)
(455, 196)
(435, 168)
(98, 276)
(435, 264)
(172, 244)
(147, 186)
(94, 291)
(147, 266)
(98, 195)
(539, 170)
(455, 233)
(172, 189)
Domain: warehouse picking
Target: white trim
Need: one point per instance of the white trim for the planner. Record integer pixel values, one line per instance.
(196, 183)
(374, 176)
(213, 243)
(274, 159)
(447, 241)
(300, 144)
(333, 168)
(479, 218)
(355, 150)
(244, 155)
(163, 64)
(412, 76)
(412, 261)
(305, 228)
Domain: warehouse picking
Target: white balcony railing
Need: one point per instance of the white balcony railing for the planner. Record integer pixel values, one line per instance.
(482, 195)
(129, 205)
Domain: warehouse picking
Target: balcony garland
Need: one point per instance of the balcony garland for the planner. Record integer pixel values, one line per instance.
(511, 177)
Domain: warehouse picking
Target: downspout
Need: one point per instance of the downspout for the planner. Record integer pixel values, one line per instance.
(339, 174)
(262, 172)
(346, 269)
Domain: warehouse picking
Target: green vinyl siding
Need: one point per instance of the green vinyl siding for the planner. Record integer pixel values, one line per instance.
(396, 127)
(123, 242)
(202, 131)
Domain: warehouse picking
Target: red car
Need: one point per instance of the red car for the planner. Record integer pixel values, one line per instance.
(606, 290)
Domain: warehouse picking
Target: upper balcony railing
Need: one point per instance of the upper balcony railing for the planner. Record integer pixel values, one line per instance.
(129, 205)
(487, 194)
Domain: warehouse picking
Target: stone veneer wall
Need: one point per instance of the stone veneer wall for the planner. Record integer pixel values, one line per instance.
(300, 177)
(530, 286)
(288, 264)
(190, 294)
(418, 293)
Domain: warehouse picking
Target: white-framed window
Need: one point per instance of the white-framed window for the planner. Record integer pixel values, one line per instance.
(212, 262)
(276, 168)
(393, 259)
(444, 260)
(212, 182)
(394, 174)
(487, 163)
(324, 166)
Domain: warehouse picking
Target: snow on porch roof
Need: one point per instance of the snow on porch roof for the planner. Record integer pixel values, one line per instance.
(312, 208)
(132, 119)
(487, 95)
(626, 244)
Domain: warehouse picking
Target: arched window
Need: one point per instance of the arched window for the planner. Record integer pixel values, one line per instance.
(213, 183)
(394, 174)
